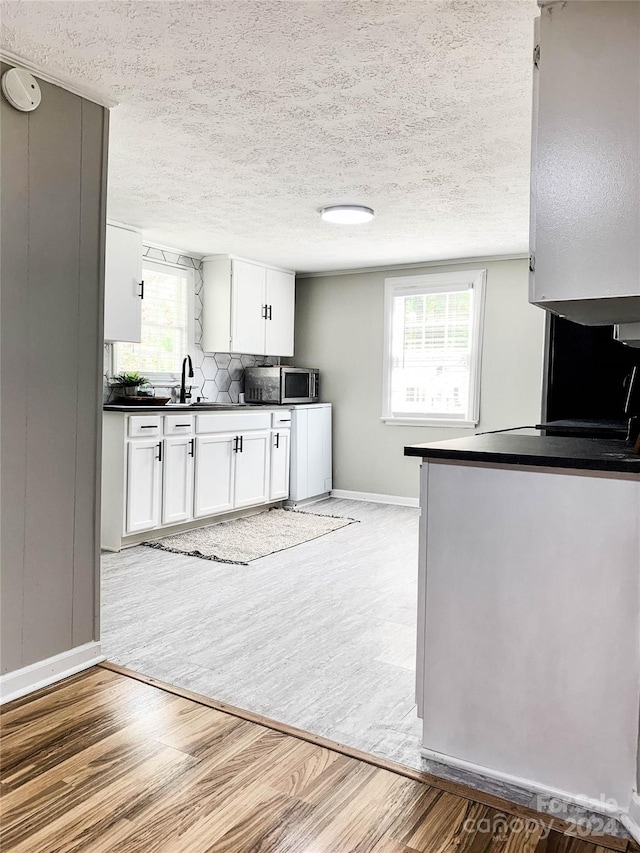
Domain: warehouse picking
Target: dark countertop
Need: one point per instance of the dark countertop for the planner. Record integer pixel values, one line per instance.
(530, 447)
(200, 407)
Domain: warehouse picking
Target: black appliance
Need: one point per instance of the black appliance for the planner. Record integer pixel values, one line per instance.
(587, 380)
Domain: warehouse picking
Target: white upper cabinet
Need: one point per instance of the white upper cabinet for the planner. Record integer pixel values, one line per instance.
(123, 287)
(585, 190)
(248, 307)
(280, 308)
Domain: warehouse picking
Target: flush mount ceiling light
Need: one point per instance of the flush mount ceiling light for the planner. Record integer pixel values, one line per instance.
(347, 214)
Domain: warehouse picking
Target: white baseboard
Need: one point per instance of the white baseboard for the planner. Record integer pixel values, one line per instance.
(395, 500)
(631, 821)
(316, 499)
(601, 807)
(18, 683)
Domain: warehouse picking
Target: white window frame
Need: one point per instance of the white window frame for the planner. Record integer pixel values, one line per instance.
(164, 379)
(437, 282)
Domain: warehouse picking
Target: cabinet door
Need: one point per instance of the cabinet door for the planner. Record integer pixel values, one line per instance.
(177, 479)
(279, 468)
(318, 451)
(327, 448)
(143, 485)
(123, 275)
(585, 178)
(248, 306)
(252, 469)
(280, 312)
(214, 474)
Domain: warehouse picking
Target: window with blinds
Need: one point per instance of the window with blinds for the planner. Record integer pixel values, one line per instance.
(432, 352)
(167, 324)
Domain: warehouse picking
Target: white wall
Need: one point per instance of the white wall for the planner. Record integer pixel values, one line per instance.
(339, 328)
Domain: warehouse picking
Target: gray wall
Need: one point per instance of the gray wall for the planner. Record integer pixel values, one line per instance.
(339, 328)
(53, 194)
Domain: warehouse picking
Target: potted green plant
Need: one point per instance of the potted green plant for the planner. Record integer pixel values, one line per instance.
(129, 383)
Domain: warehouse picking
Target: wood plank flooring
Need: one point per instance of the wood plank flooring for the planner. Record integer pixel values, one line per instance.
(102, 762)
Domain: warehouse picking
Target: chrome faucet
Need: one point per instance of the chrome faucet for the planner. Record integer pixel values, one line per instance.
(183, 386)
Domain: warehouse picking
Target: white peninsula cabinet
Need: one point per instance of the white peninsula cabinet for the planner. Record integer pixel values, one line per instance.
(171, 471)
(248, 307)
(528, 614)
(123, 285)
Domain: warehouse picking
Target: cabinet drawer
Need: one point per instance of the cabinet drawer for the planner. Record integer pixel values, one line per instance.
(281, 419)
(178, 424)
(233, 422)
(145, 425)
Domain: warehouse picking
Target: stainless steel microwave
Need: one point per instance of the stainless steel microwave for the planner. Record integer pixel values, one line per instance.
(281, 385)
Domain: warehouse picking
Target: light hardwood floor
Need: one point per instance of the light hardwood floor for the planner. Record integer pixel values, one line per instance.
(102, 762)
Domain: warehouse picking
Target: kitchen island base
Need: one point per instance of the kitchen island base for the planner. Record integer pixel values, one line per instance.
(528, 639)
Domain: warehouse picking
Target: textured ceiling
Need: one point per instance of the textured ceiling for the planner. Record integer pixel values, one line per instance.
(238, 120)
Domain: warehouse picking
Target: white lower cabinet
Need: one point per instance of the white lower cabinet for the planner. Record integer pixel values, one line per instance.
(144, 468)
(311, 470)
(215, 460)
(252, 469)
(280, 460)
(163, 470)
(177, 479)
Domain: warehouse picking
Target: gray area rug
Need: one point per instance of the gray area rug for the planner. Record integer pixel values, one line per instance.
(242, 540)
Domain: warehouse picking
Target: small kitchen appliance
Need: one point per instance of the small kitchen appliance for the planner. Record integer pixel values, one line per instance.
(281, 385)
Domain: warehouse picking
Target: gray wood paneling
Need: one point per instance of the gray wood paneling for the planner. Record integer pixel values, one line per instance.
(88, 412)
(54, 249)
(53, 163)
(13, 373)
